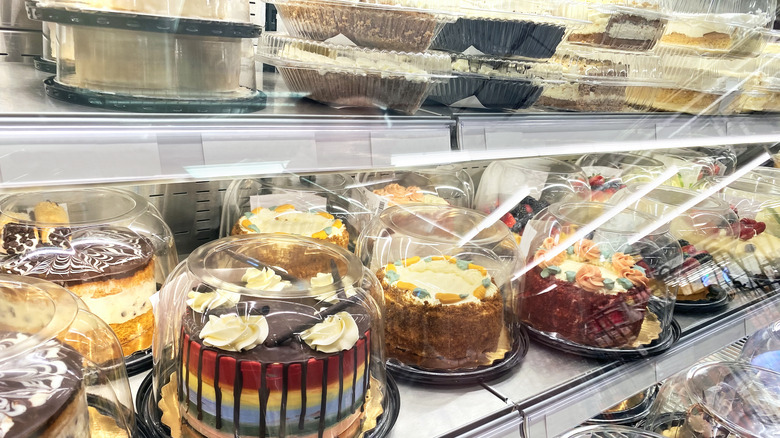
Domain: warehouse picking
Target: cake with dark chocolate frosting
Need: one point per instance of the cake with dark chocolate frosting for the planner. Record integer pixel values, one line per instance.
(254, 366)
(585, 296)
(110, 268)
(41, 391)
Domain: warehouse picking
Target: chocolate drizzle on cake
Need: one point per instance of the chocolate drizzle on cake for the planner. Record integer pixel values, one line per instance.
(93, 252)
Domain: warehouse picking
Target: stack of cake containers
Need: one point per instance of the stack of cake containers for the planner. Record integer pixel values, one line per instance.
(372, 53)
(709, 51)
(499, 52)
(175, 56)
(762, 92)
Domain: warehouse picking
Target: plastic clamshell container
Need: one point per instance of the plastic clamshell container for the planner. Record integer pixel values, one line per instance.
(61, 367)
(443, 185)
(617, 24)
(528, 29)
(398, 25)
(288, 319)
(609, 173)
(716, 27)
(352, 76)
(150, 64)
(437, 268)
(327, 207)
(110, 247)
(602, 80)
(762, 348)
(523, 187)
(692, 166)
(704, 232)
(718, 399)
(225, 10)
(479, 82)
(609, 432)
(601, 292)
(762, 91)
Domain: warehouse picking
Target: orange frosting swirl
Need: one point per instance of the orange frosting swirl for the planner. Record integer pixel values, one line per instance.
(589, 278)
(557, 260)
(549, 243)
(637, 277)
(622, 262)
(587, 250)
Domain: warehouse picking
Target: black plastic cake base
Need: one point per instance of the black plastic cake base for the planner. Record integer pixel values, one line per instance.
(110, 409)
(150, 416)
(526, 39)
(45, 65)
(254, 101)
(717, 299)
(492, 93)
(139, 362)
(468, 376)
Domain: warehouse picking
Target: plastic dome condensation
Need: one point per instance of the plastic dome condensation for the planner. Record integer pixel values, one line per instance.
(310, 312)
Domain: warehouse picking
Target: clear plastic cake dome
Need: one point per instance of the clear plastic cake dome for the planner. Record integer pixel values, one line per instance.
(108, 246)
(718, 399)
(757, 204)
(692, 166)
(270, 335)
(328, 207)
(705, 228)
(521, 188)
(609, 173)
(227, 10)
(599, 280)
(609, 432)
(444, 185)
(61, 367)
(762, 348)
(450, 299)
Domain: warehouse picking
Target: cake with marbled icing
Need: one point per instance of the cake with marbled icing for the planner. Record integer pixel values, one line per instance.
(265, 367)
(110, 268)
(41, 391)
(287, 219)
(585, 296)
(440, 312)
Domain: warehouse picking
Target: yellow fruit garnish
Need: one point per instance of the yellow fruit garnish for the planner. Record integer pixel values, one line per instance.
(320, 235)
(283, 208)
(411, 260)
(478, 268)
(405, 286)
(448, 298)
(337, 224)
(479, 292)
(325, 215)
(390, 267)
(257, 210)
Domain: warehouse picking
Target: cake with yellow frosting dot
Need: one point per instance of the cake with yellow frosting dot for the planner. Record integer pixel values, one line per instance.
(287, 219)
(440, 312)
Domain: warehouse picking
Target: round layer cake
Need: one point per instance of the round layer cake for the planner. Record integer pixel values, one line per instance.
(269, 367)
(110, 268)
(440, 312)
(287, 219)
(586, 297)
(41, 391)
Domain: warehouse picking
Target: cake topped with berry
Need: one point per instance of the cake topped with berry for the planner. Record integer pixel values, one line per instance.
(517, 218)
(585, 294)
(603, 187)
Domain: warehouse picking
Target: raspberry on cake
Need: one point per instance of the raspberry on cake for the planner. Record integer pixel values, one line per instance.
(287, 219)
(441, 312)
(585, 295)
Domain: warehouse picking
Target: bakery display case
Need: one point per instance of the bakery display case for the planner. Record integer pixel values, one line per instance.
(62, 372)
(522, 188)
(270, 335)
(707, 278)
(599, 283)
(450, 299)
(109, 247)
(718, 399)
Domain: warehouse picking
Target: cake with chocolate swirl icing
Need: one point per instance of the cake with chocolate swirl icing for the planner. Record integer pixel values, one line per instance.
(110, 268)
(586, 296)
(41, 391)
(271, 367)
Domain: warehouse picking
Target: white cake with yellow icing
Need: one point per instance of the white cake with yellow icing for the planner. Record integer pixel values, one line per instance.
(286, 219)
(440, 312)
